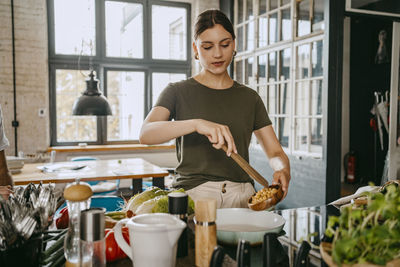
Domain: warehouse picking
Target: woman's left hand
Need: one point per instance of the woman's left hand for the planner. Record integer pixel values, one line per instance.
(282, 177)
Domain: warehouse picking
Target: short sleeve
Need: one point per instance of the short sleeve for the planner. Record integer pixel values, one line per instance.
(3, 139)
(167, 99)
(261, 118)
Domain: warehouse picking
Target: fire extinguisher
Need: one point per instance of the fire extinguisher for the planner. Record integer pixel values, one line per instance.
(350, 167)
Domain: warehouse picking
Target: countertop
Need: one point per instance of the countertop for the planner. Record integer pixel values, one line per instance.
(301, 224)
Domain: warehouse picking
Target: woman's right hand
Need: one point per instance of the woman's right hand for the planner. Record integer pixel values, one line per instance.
(217, 134)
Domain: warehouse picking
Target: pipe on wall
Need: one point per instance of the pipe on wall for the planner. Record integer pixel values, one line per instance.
(14, 123)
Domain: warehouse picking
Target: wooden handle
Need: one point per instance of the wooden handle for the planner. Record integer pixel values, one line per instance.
(205, 242)
(205, 210)
(205, 235)
(247, 168)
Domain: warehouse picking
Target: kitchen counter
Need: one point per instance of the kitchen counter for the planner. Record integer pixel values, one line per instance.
(301, 224)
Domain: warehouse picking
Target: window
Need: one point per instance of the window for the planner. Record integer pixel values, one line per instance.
(135, 47)
(308, 98)
(124, 29)
(281, 58)
(70, 127)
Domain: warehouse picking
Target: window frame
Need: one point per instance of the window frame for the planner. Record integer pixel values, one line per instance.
(294, 81)
(102, 63)
(277, 47)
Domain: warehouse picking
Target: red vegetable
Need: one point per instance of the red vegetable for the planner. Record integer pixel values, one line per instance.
(62, 219)
(113, 251)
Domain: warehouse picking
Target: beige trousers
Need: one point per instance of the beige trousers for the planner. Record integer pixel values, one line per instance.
(228, 194)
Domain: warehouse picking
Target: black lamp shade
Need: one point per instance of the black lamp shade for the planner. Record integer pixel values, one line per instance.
(91, 105)
(91, 102)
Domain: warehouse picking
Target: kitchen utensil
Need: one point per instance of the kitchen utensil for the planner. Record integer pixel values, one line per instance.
(263, 205)
(26, 227)
(27, 211)
(238, 223)
(153, 239)
(383, 113)
(375, 111)
(247, 168)
(257, 177)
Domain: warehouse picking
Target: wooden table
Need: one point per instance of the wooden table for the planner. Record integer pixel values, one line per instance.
(95, 170)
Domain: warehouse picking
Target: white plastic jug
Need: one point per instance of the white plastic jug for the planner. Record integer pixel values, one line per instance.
(153, 238)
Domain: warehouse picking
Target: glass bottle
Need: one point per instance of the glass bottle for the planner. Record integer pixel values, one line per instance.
(77, 196)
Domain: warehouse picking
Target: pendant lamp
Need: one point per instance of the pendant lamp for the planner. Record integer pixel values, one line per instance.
(91, 102)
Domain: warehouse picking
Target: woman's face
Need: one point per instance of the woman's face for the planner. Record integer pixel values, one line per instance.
(215, 48)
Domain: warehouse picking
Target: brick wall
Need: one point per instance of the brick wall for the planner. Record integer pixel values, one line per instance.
(30, 26)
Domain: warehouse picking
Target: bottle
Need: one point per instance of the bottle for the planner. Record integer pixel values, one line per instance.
(93, 244)
(77, 196)
(205, 231)
(178, 206)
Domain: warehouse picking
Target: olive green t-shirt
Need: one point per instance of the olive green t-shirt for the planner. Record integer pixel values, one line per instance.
(239, 107)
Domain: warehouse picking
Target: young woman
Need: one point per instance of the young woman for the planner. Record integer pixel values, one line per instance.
(209, 110)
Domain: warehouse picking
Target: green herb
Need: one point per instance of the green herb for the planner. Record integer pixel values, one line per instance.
(370, 234)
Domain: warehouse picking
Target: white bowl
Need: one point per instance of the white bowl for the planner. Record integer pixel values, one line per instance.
(235, 224)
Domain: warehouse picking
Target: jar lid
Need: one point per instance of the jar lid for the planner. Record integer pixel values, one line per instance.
(78, 192)
(177, 203)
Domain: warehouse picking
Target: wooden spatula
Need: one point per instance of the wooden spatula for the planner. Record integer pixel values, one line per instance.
(247, 168)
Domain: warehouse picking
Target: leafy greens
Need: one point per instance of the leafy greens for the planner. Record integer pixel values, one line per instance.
(370, 234)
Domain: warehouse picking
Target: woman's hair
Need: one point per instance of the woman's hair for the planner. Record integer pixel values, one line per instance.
(209, 19)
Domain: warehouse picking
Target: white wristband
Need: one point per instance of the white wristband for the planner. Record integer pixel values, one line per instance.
(276, 164)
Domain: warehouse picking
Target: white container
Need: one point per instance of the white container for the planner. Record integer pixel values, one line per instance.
(153, 238)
